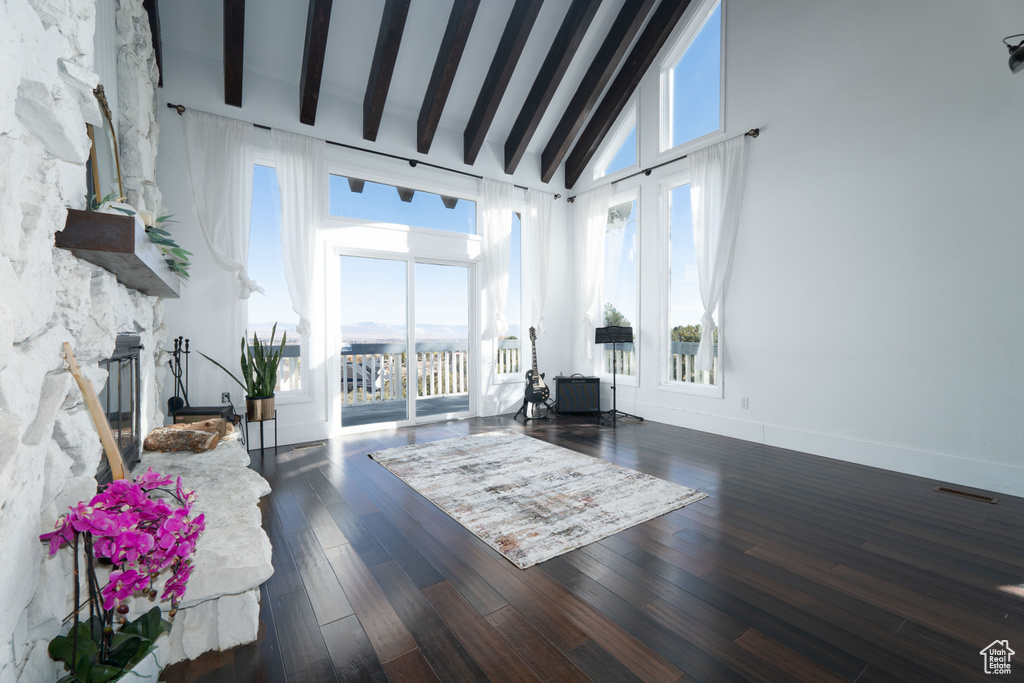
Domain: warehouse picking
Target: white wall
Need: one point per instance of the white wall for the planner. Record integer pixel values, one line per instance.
(209, 313)
(875, 308)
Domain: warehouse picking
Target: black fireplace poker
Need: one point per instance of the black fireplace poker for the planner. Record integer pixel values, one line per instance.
(180, 398)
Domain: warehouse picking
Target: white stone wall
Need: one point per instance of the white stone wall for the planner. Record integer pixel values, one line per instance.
(49, 449)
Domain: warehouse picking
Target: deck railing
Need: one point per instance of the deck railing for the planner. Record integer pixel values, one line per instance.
(681, 362)
(681, 365)
(509, 356)
(376, 372)
(289, 372)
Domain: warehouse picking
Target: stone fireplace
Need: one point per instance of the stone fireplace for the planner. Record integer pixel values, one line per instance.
(49, 448)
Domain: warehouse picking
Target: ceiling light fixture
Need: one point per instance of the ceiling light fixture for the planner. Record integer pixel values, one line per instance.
(1016, 53)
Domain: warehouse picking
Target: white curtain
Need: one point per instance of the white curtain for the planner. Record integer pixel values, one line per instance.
(302, 177)
(497, 247)
(717, 177)
(537, 250)
(220, 155)
(589, 223)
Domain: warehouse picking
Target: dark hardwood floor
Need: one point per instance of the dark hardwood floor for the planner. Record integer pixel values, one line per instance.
(795, 567)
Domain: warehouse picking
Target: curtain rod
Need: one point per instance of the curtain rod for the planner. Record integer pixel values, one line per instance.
(753, 133)
(180, 108)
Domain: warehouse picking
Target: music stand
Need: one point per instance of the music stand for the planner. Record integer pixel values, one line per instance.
(614, 336)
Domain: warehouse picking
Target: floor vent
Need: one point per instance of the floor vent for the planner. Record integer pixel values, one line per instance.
(966, 494)
(308, 445)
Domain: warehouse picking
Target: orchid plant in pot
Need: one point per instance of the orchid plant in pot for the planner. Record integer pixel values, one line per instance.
(143, 540)
(260, 363)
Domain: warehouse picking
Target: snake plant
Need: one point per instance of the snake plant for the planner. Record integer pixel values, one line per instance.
(260, 363)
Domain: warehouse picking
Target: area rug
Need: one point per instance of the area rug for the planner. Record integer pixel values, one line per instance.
(528, 499)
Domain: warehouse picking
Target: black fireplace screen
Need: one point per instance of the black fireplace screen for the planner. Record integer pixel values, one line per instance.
(120, 400)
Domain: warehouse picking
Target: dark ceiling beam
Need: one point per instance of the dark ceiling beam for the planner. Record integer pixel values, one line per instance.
(510, 48)
(234, 42)
(389, 38)
(567, 41)
(356, 185)
(318, 23)
(460, 23)
(449, 202)
(405, 194)
(650, 42)
(154, 28)
(627, 24)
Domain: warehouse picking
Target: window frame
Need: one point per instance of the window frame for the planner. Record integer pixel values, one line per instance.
(306, 394)
(369, 173)
(627, 121)
(665, 186)
(691, 28)
(629, 194)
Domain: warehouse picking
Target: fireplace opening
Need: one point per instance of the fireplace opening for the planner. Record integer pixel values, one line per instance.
(120, 400)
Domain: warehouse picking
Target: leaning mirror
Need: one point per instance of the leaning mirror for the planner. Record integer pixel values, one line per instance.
(103, 175)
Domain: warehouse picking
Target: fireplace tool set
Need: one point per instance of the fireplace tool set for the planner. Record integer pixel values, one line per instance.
(180, 398)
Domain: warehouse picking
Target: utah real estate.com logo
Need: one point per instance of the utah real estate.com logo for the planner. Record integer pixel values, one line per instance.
(997, 657)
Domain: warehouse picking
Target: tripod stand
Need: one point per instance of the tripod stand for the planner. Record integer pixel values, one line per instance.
(613, 336)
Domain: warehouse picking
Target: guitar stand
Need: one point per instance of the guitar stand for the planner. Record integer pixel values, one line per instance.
(524, 410)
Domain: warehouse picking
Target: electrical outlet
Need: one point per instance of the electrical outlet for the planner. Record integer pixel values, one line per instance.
(225, 397)
(744, 403)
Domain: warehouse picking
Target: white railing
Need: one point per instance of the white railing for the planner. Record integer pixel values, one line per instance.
(681, 362)
(621, 358)
(508, 360)
(289, 376)
(379, 372)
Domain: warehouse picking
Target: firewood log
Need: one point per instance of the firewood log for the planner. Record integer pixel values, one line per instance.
(166, 439)
(219, 425)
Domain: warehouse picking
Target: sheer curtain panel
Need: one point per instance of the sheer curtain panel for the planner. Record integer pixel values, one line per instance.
(497, 246)
(717, 177)
(302, 177)
(220, 156)
(537, 228)
(589, 222)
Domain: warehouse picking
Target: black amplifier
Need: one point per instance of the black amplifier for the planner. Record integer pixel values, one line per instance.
(577, 394)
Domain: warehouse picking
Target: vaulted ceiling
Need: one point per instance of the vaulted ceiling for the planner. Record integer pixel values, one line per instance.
(548, 77)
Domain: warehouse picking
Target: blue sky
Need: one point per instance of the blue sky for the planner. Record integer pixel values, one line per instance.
(696, 81)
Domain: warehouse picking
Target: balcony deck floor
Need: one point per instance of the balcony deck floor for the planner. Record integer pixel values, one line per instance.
(357, 414)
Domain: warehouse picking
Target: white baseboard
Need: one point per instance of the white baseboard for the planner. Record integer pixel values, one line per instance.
(940, 467)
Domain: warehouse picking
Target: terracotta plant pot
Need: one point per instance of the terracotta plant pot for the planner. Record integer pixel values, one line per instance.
(259, 408)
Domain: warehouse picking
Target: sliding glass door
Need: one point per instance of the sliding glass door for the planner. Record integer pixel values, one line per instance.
(442, 340)
(374, 335)
(381, 381)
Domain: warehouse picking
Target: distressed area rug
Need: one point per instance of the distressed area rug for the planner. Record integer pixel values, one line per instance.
(528, 499)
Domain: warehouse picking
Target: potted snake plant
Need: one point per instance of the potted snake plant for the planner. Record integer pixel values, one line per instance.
(260, 363)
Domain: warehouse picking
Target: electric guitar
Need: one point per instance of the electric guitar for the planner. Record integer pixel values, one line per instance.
(536, 390)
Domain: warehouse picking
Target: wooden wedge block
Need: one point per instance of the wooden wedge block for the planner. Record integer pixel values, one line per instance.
(219, 425)
(165, 439)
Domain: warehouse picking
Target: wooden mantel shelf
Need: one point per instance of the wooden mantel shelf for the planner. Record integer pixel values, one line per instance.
(119, 243)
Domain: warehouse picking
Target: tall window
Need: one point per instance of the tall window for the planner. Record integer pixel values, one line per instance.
(692, 81)
(620, 151)
(355, 198)
(685, 306)
(267, 268)
(620, 288)
(510, 347)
